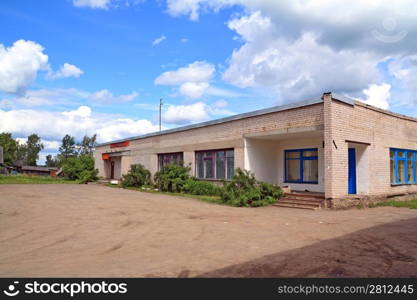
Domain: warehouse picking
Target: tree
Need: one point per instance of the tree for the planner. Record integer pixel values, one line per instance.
(51, 161)
(80, 168)
(9, 148)
(21, 153)
(68, 147)
(88, 144)
(33, 146)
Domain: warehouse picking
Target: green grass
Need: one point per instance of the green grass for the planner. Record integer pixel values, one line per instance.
(209, 199)
(25, 179)
(410, 204)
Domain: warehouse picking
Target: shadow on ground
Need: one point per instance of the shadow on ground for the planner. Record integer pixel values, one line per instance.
(388, 250)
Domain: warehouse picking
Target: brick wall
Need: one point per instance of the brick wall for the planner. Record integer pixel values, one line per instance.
(365, 124)
(219, 136)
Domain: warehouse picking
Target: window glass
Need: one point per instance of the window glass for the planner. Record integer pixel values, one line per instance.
(220, 165)
(410, 171)
(391, 154)
(310, 170)
(216, 164)
(293, 170)
(401, 154)
(401, 167)
(292, 154)
(169, 158)
(310, 153)
(392, 171)
(230, 167)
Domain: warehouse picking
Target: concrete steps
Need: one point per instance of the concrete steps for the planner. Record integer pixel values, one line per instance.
(301, 200)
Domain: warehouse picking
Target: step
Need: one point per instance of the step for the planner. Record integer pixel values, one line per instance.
(300, 202)
(305, 195)
(314, 200)
(289, 205)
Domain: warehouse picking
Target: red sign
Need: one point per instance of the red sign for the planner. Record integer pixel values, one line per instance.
(121, 144)
(105, 156)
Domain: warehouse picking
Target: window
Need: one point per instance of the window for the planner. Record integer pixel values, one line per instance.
(301, 166)
(403, 166)
(170, 158)
(215, 164)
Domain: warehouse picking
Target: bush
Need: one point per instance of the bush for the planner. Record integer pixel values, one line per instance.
(245, 190)
(137, 176)
(80, 168)
(195, 187)
(172, 178)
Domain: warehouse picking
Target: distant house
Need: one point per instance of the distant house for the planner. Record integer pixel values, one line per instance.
(40, 171)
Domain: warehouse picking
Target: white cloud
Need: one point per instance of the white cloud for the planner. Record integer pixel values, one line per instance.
(294, 69)
(80, 112)
(297, 48)
(196, 112)
(54, 125)
(66, 70)
(98, 4)
(193, 90)
(184, 40)
(19, 65)
(106, 97)
(378, 95)
(198, 71)
(48, 145)
(159, 40)
(193, 80)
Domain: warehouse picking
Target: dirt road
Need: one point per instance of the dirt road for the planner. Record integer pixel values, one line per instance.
(95, 231)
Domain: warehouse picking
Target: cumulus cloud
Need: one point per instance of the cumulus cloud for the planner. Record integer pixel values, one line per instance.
(54, 125)
(20, 64)
(196, 112)
(106, 97)
(193, 79)
(97, 4)
(378, 95)
(297, 49)
(66, 70)
(295, 69)
(159, 40)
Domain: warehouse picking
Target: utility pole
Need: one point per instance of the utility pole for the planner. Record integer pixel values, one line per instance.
(160, 113)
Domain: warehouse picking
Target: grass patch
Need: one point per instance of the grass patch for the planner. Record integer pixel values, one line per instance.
(409, 204)
(209, 199)
(25, 179)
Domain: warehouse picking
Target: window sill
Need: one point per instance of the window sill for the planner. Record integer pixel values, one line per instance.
(401, 184)
(213, 179)
(298, 182)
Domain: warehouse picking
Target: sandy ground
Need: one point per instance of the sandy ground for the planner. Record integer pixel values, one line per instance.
(96, 231)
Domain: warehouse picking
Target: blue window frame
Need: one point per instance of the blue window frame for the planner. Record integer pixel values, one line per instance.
(301, 165)
(403, 166)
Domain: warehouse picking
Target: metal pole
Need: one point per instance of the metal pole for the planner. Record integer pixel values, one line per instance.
(160, 113)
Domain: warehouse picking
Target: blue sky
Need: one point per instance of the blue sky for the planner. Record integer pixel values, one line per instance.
(101, 66)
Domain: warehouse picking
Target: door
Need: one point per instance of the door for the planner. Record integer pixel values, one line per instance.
(112, 170)
(352, 171)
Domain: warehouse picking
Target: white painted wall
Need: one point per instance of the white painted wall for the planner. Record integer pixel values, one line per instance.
(266, 159)
(362, 168)
(261, 157)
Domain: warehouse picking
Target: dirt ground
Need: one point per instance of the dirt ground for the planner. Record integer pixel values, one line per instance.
(96, 231)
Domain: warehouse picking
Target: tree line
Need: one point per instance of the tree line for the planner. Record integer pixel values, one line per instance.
(27, 153)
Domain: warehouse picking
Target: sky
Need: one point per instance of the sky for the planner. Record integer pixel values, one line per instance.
(100, 66)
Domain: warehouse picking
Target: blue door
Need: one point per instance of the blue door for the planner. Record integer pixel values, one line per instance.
(352, 170)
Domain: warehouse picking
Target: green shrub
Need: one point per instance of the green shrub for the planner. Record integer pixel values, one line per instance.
(172, 178)
(80, 168)
(195, 187)
(137, 176)
(245, 190)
